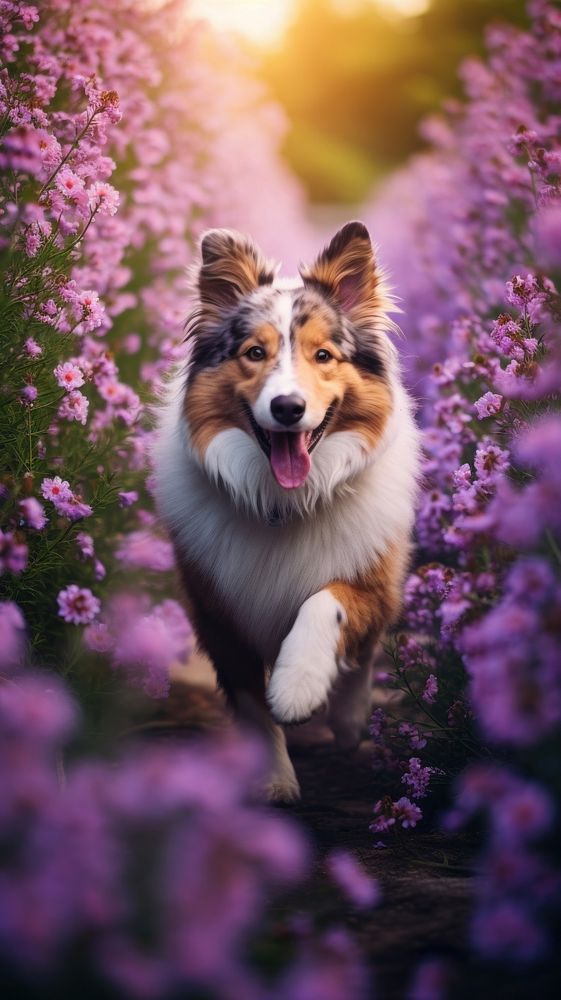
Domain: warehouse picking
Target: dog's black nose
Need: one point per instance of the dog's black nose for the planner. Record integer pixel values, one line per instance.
(288, 409)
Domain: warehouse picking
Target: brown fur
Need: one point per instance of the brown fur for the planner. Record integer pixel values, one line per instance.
(346, 270)
(372, 602)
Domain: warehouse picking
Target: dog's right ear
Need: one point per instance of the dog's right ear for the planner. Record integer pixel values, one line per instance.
(232, 266)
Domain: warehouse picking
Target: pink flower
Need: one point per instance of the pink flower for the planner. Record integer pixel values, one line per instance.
(149, 640)
(111, 390)
(89, 310)
(488, 405)
(74, 406)
(56, 489)
(69, 376)
(33, 513)
(77, 605)
(98, 637)
(142, 549)
(103, 197)
(29, 16)
(68, 183)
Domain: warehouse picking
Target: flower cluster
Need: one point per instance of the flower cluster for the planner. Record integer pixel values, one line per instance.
(158, 866)
(474, 246)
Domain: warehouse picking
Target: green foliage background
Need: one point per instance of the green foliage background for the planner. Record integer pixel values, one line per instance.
(356, 85)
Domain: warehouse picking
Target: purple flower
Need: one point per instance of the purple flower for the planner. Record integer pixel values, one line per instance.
(33, 513)
(32, 348)
(85, 544)
(430, 981)
(507, 931)
(77, 605)
(431, 689)
(28, 394)
(360, 889)
(417, 778)
(73, 508)
(406, 812)
(13, 553)
(128, 497)
(12, 635)
(488, 405)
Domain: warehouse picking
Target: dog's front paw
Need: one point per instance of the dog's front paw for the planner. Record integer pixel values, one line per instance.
(307, 662)
(296, 690)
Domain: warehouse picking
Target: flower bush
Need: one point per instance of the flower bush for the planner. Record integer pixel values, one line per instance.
(119, 126)
(151, 873)
(472, 232)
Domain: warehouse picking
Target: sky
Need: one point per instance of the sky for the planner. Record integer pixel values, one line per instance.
(262, 21)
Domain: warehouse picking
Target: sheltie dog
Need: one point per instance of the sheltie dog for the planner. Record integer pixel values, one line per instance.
(286, 466)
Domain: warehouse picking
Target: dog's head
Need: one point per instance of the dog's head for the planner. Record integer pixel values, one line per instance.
(289, 385)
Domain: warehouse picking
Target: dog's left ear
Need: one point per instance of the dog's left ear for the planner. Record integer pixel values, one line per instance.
(346, 269)
(232, 266)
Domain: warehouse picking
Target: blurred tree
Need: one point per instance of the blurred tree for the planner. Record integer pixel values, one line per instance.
(355, 83)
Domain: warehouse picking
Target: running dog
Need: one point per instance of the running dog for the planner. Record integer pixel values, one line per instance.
(286, 467)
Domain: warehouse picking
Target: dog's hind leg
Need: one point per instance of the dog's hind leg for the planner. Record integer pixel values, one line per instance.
(350, 703)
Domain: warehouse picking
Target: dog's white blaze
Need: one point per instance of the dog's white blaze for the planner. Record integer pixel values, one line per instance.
(306, 666)
(282, 381)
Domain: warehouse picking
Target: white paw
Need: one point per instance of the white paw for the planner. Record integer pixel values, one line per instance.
(306, 666)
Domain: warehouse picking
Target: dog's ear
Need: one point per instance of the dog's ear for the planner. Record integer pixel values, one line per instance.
(346, 270)
(232, 266)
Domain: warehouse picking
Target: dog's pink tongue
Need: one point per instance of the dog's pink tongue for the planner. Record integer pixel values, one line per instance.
(290, 460)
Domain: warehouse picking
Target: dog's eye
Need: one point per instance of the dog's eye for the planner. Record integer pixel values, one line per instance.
(322, 356)
(255, 353)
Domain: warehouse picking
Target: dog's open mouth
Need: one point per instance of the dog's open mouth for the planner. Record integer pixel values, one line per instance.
(289, 451)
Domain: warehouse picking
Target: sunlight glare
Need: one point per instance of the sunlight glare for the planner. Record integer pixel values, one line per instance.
(263, 21)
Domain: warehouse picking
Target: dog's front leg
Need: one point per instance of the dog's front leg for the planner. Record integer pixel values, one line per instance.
(328, 623)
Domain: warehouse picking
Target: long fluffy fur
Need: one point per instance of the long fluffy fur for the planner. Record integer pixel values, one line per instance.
(276, 567)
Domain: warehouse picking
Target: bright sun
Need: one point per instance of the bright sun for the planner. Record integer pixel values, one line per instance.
(264, 20)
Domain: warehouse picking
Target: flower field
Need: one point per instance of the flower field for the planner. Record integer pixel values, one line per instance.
(152, 871)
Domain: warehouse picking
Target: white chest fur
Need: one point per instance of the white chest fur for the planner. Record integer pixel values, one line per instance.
(263, 573)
